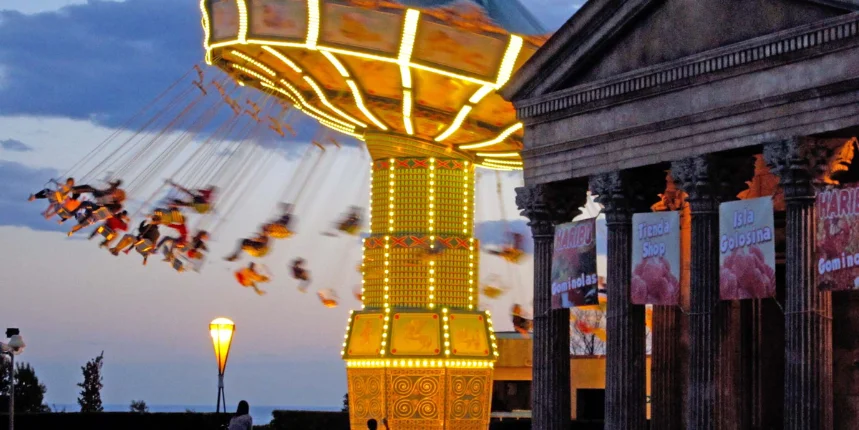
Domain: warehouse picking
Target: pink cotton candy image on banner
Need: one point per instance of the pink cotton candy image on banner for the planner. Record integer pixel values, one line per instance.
(574, 265)
(746, 249)
(838, 238)
(655, 258)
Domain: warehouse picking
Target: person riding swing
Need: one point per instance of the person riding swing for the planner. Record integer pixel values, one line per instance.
(55, 197)
(513, 251)
(280, 228)
(144, 242)
(248, 277)
(257, 246)
(350, 224)
(520, 323)
(105, 207)
(200, 199)
(300, 273)
(111, 227)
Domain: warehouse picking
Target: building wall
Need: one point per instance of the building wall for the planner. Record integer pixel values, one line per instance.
(586, 372)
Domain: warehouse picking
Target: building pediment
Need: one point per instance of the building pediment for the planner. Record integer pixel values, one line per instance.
(606, 38)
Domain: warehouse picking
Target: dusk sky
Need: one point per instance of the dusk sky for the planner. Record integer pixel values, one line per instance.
(71, 71)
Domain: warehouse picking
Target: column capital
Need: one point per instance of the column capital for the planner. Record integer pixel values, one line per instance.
(623, 193)
(546, 205)
(804, 163)
(711, 179)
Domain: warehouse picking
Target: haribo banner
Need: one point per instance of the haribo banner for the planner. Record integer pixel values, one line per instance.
(655, 258)
(837, 261)
(574, 265)
(746, 249)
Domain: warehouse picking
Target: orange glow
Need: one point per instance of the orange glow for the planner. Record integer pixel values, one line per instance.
(222, 330)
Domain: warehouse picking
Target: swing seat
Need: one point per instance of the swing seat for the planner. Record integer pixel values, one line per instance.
(106, 232)
(173, 216)
(492, 292)
(202, 208)
(242, 278)
(194, 263)
(279, 231)
(257, 252)
(56, 197)
(145, 247)
(64, 213)
(329, 298)
(349, 229)
(178, 265)
(99, 214)
(512, 255)
(194, 254)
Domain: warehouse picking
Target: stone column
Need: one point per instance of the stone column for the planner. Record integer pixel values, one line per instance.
(669, 336)
(625, 388)
(808, 311)
(707, 181)
(545, 206)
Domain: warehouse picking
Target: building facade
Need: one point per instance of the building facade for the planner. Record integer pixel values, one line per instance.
(682, 105)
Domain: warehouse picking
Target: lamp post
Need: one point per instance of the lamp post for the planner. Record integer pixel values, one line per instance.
(222, 330)
(14, 347)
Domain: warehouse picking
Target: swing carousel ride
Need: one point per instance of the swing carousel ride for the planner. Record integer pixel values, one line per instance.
(416, 82)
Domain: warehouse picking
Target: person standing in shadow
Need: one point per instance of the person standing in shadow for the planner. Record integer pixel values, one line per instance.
(242, 420)
(372, 424)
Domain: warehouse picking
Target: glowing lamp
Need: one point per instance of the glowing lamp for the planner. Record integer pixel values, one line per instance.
(222, 330)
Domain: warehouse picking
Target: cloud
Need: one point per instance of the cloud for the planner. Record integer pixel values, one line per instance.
(99, 60)
(554, 13)
(17, 181)
(15, 145)
(102, 61)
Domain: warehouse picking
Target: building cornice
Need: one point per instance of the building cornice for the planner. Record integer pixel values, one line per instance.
(814, 38)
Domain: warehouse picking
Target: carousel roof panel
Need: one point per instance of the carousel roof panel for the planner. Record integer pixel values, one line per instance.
(362, 66)
(510, 15)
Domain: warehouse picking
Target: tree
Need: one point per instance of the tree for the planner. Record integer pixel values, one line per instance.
(4, 384)
(138, 406)
(345, 403)
(582, 339)
(29, 392)
(90, 395)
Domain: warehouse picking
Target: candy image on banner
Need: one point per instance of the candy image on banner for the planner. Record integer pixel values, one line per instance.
(838, 238)
(655, 258)
(574, 265)
(746, 249)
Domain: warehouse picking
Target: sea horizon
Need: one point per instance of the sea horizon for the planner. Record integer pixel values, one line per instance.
(261, 414)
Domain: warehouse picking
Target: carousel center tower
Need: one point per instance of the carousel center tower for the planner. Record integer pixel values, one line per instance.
(416, 80)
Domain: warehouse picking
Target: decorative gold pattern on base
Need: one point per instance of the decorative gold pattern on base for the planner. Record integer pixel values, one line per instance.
(366, 396)
(421, 399)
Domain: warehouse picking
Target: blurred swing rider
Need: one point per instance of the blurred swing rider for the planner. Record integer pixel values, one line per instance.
(350, 223)
(195, 247)
(520, 323)
(176, 221)
(110, 202)
(280, 227)
(248, 277)
(111, 198)
(66, 210)
(145, 232)
(200, 199)
(56, 197)
(256, 246)
(300, 273)
(513, 251)
(114, 225)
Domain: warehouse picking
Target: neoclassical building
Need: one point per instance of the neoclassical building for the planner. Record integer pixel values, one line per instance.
(682, 105)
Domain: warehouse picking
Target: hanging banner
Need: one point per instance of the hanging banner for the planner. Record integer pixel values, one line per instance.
(574, 265)
(746, 249)
(655, 258)
(838, 239)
